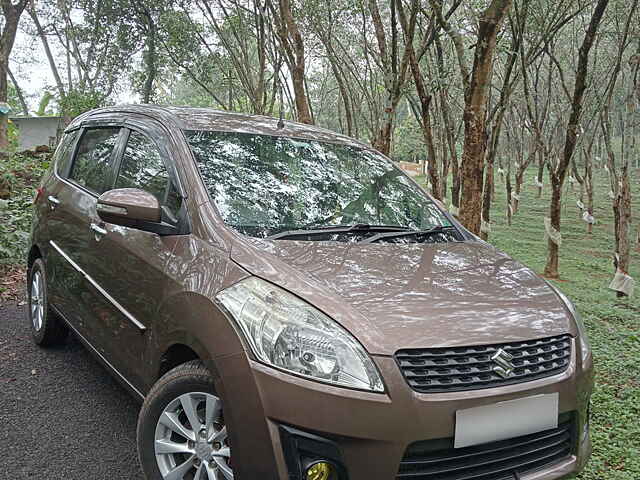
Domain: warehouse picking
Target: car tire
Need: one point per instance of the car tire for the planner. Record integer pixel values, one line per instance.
(47, 329)
(165, 437)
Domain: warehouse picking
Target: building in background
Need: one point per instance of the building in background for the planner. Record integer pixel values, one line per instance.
(36, 131)
(412, 169)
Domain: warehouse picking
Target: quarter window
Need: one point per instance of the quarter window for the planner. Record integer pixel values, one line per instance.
(93, 159)
(64, 151)
(143, 167)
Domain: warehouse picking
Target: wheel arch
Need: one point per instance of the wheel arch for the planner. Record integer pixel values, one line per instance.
(190, 326)
(175, 355)
(34, 253)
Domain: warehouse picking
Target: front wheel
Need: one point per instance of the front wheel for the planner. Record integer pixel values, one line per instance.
(181, 428)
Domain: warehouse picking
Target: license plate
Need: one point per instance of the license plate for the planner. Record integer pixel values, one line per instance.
(504, 420)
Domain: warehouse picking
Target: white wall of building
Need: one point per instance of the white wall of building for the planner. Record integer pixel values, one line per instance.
(36, 131)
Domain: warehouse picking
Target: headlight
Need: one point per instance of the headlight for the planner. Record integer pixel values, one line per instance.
(585, 347)
(288, 333)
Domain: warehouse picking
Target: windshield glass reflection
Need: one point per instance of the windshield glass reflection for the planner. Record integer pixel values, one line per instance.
(263, 185)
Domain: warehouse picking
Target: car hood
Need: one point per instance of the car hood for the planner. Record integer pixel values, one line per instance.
(393, 296)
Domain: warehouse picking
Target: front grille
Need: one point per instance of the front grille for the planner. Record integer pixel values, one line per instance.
(503, 460)
(437, 370)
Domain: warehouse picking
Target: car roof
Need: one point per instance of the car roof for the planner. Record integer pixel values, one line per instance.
(210, 119)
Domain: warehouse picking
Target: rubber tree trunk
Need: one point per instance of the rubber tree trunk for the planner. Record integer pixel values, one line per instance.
(622, 217)
(620, 186)
(588, 186)
(624, 227)
(584, 182)
(454, 163)
(489, 188)
(510, 201)
(540, 174)
(425, 125)
(445, 165)
(150, 57)
(489, 180)
(519, 178)
(297, 65)
(475, 134)
(456, 182)
(4, 126)
(342, 87)
(558, 174)
(394, 71)
(553, 251)
(448, 141)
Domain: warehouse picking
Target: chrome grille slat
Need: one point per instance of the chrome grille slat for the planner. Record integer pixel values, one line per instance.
(463, 367)
(420, 359)
(437, 370)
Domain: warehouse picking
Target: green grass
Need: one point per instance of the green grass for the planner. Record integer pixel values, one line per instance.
(613, 324)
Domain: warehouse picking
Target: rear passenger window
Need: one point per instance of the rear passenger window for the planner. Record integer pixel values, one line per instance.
(63, 153)
(142, 167)
(93, 158)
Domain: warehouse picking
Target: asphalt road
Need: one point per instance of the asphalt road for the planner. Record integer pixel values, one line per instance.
(62, 416)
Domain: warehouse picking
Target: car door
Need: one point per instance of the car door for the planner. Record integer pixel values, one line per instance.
(131, 264)
(71, 225)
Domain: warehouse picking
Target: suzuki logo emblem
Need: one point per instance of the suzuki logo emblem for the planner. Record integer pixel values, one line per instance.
(505, 367)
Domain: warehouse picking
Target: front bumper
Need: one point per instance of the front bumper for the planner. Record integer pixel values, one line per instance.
(372, 431)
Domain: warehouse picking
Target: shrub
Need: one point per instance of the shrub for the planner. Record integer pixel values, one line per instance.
(19, 176)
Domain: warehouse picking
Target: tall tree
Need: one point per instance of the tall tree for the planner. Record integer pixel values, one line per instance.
(557, 173)
(11, 14)
(477, 84)
(293, 44)
(510, 79)
(147, 13)
(241, 29)
(44, 39)
(619, 172)
(408, 26)
(394, 70)
(97, 42)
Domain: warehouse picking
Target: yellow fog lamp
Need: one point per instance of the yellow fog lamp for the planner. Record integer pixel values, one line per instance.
(320, 471)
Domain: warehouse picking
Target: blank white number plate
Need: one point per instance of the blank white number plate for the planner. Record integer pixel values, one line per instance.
(506, 420)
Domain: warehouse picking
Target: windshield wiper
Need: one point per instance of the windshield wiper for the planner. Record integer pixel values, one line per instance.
(417, 233)
(325, 229)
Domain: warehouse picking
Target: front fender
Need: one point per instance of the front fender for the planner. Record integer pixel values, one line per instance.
(195, 321)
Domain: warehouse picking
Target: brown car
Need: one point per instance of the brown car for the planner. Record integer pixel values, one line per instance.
(290, 305)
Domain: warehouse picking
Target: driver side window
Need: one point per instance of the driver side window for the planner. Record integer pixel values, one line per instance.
(143, 167)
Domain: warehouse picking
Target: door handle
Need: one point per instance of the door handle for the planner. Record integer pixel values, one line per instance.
(98, 231)
(53, 202)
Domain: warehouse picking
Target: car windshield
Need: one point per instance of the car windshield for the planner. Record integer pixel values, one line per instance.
(263, 185)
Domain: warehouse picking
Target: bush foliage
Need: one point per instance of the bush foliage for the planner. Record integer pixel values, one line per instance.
(19, 177)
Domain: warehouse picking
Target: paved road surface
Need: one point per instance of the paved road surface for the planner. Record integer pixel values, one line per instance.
(62, 416)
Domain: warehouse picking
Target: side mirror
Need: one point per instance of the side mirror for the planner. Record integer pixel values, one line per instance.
(132, 207)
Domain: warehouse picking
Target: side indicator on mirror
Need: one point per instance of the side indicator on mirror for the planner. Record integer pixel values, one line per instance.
(111, 209)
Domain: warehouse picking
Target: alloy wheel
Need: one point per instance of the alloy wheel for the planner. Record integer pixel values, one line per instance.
(191, 439)
(36, 300)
